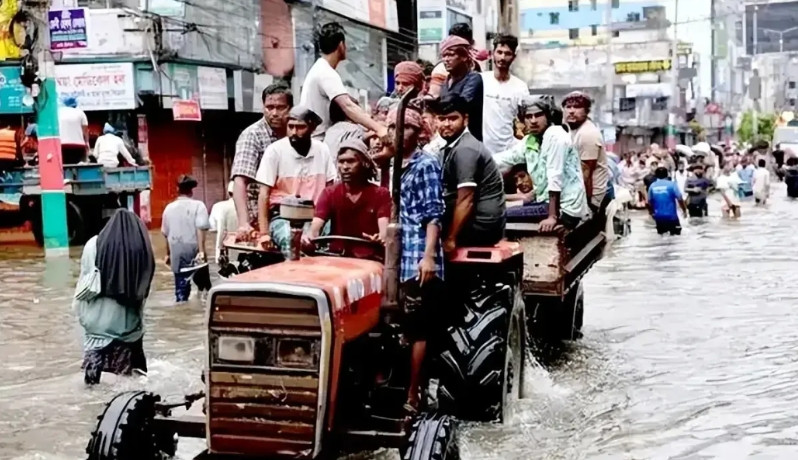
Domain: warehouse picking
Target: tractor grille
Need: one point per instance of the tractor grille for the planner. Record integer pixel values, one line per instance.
(268, 406)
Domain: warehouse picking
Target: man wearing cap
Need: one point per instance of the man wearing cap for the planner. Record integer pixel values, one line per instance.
(223, 219)
(463, 81)
(408, 75)
(553, 163)
(184, 224)
(663, 195)
(354, 207)
(589, 143)
(109, 147)
(295, 166)
(472, 186)
(439, 73)
(73, 128)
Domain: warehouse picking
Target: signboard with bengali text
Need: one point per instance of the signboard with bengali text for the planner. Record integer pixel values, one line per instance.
(97, 86)
(657, 65)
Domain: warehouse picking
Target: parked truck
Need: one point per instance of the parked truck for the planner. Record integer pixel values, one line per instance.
(93, 192)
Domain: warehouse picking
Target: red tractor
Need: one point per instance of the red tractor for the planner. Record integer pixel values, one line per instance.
(306, 359)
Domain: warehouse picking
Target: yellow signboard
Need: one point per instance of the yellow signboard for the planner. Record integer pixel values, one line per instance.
(643, 66)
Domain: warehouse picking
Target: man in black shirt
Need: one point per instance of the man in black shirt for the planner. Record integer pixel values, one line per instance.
(697, 188)
(472, 185)
(463, 81)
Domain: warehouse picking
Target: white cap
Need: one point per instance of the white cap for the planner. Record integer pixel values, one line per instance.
(230, 187)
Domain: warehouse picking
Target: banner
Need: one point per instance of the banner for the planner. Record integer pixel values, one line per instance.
(8, 46)
(643, 66)
(97, 86)
(12, 91)
(212, 88)
(186, 110)
(68, 29)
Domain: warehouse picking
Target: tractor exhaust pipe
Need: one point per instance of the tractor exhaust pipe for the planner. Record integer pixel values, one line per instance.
(394, 234)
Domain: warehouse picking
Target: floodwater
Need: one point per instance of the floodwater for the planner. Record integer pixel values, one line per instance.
(689, 353)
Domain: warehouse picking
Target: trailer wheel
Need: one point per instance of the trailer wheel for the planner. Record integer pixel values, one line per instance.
(433, 437)
(474, 356)
(125, 430)
(76, 224)
(573, 313)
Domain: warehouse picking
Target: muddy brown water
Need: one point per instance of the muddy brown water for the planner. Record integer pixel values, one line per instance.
(689, 353)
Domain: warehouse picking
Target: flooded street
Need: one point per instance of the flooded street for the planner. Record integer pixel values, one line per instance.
(689, 353)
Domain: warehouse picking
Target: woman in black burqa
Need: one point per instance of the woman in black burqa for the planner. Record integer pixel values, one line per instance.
(112, 314)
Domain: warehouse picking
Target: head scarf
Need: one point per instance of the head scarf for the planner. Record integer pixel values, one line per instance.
(125, 259)
(579, 98)
(71, 101)
(362, 153)
(108, 129)
(412, 118)
(302, 113)
(452, 42)
(409, 72)
(544, 103)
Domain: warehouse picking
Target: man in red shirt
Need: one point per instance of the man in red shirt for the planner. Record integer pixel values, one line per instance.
(355, 207)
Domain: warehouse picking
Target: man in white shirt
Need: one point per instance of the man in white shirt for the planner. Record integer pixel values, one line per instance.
(761, 182)
(323, 85)
(294, 166)
(108, 148)
(728, 184)
(73, 128)
(501, 94)
(223, 219)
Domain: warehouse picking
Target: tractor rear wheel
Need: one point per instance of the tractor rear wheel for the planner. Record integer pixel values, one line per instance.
(433, 437)
(476, 367)
(125, 430)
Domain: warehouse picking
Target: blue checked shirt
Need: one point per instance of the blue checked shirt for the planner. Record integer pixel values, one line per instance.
(421, 202)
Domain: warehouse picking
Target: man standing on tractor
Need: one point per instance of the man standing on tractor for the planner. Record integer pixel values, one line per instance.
(277, 101)
(552, 162)
(473, 187)
(463, 81)
(354, 207)
(295, 166)
(503, 92)
(421, 208)
(323, 85)
(589, 144)
(440, 73)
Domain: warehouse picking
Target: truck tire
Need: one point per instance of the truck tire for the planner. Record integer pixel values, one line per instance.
(433, 437)
(553, 320)
(125, 430)
(475, 363)
(76, 224)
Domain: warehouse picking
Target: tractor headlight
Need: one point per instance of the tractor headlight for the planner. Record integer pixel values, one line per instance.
(236, 349)
(296, 353)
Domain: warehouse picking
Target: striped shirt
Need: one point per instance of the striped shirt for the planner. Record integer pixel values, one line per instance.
(291, 174)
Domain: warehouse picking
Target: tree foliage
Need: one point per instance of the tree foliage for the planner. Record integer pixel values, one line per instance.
(766, 123)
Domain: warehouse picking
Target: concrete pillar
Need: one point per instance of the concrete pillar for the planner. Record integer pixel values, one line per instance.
(53, 198)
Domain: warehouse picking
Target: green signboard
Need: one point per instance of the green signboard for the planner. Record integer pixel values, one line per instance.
(431, 25)
(12, 91)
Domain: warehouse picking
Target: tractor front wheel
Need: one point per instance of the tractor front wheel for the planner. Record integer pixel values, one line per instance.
(125, 430)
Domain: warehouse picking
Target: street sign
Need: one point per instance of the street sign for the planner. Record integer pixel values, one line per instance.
(643, 66)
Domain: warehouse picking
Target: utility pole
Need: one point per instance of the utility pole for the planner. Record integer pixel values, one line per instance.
(754, 115)
(675, 96)
(53, 198)
(610, 85)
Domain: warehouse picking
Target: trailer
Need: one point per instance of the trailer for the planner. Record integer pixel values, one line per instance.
(93, 192)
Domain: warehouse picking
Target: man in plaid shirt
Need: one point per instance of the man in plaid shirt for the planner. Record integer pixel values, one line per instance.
(421, 270)
(277, 101)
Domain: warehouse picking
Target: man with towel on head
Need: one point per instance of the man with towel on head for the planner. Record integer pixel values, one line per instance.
(463, 81)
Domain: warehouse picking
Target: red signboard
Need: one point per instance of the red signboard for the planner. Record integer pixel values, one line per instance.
(186, 110)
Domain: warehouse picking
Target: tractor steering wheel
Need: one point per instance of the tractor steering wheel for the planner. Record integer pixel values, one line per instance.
(349, 246)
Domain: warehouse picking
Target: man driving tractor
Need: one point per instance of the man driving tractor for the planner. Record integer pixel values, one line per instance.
(294, 166)
(354, 207)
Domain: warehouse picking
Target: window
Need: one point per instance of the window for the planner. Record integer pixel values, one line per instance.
(616, 3)
(573, 34)
(616, 33)
(554, 18)
(454, 17)
(660, 103)
(594, 30)
(593, 5)
(633, 17)
(573, 5)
